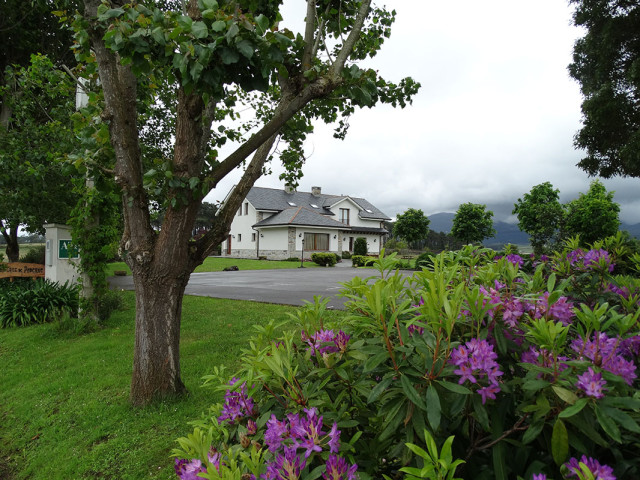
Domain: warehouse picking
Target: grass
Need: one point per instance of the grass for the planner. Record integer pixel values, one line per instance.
(216, 264)
(64, 411)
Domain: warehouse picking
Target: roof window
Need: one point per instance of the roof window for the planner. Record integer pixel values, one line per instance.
(368, 211)
(292, 204)
(314, 205)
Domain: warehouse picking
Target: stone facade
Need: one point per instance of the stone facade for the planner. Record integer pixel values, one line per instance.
(291, 244)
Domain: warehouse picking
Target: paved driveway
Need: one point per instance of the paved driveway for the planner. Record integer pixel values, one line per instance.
(288, 287)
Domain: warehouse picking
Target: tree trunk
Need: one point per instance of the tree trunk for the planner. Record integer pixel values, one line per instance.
(156, 361)
(13, 249)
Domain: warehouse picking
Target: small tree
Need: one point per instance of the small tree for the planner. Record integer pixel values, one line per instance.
(540, 214)
(360, 246)
(473, 223)
(593, 215)
(412, 225)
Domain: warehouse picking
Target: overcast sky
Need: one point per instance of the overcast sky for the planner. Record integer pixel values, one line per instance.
(495, 116)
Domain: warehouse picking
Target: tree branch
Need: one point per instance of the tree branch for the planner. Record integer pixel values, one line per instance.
(347, 47)
(308, 35)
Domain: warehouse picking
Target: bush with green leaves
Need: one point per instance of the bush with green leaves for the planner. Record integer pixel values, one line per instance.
(360, 246)
(424, 260)
(34, 255)
(324, 259)
(24, 303)
(473, 368)
(346, 255)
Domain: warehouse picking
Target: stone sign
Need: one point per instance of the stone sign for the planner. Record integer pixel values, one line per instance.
(17, 269)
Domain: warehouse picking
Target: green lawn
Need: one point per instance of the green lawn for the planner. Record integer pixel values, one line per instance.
(216, 264)
(64, 411)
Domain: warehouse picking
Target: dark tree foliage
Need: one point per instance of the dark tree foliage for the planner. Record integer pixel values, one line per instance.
(540, 215)
(473, 223)
(593, 215)
(412, 225)
(606, 63)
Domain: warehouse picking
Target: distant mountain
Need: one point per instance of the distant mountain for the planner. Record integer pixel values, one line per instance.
(506, 232)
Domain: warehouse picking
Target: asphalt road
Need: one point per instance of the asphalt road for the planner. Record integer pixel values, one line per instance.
(287, 287)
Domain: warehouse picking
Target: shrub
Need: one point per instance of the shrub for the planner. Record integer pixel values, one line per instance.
(394, 245)
(358, 260)
(516, 373)
(324, 259)
(34, 255)
(110, 301)
(36, 301)
(424, 260)
(293, 259)
(346, 255)
(360, 246)
(338, 257)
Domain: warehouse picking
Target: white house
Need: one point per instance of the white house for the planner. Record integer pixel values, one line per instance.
(276, 224)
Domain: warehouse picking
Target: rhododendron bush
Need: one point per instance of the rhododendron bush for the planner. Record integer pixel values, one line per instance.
(477, 368)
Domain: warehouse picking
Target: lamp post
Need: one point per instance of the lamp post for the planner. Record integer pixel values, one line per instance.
(302, 257)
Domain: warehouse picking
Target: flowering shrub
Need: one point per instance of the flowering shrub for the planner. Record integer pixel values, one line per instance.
(515, 368)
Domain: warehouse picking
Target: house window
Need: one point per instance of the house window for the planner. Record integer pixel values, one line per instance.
(239, 237)
(246, 208)
(344, 216)
(316, 241)
(240, 210)
(253, 237)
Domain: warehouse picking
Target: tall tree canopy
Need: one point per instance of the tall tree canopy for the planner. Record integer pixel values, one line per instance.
(213, 59)
(35, 186)
(606, 64)
(412, 225)
(593, 215)
(540, 215)
(473, 223)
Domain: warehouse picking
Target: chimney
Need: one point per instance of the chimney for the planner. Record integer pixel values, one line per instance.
(315, 191)
(289, 189)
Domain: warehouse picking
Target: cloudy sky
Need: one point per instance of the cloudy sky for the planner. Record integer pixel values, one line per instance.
(495, 116)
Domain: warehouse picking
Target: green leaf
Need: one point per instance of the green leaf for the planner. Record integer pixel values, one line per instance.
(378, 389)
(193, 181)
(158, 35)
(229, 56)
(622, 418)
(232, 32)
(199, 30)
(559, 442)
(411, 393)
(573, 409)
(564, 394)
(454, 387)
(374, 361)
(111, 13)
(218, 26)
(532, 432)
(608, 425)
(434, 411)
(262, 24)
(499, 467)
(481, 412)
(210, 4)
(246, 48)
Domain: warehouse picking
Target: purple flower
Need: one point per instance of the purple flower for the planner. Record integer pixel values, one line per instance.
(630, 347)
(594, 259)
(307, 433)
(513, 310)
(237, 404)
(339, 469)
(603, 352)
(544, 358)
(285, 467)
(275, 433)
(188, 470)
(476, 361)
(515, 259)
(600, 472)
(591, 383)
(561, 311)
(326, 341)
(539, 476)
(334, 439)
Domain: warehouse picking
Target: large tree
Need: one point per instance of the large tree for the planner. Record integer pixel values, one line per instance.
(214, 56)
(473, 223)
(35, 186)
(540, 215)
(605, 63)
(593, 215)
(412, 225)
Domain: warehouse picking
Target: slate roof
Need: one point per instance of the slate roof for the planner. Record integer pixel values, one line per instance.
(300, 216)
(271, 199)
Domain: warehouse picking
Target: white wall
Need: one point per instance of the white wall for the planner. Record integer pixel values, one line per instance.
(274, 238)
